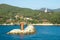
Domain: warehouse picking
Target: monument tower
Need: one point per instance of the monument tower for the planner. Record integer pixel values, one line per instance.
(46, 10)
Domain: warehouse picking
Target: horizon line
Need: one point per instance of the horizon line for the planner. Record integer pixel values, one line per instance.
(28, 7)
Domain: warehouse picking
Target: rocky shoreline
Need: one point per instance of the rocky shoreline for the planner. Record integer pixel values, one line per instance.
(45, 24)
(32, 24)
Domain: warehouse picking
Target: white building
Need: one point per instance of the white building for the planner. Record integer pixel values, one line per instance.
(16, 16)
(46, 10)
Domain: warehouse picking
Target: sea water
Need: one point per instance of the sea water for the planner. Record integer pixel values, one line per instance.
(42, 33)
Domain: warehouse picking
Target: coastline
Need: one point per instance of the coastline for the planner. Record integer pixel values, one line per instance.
(9, 24)
(46, 24)
(34, 24)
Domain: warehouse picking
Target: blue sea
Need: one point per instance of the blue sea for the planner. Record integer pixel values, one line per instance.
(42, 33)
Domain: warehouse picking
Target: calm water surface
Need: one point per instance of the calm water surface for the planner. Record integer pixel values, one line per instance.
(42, 33)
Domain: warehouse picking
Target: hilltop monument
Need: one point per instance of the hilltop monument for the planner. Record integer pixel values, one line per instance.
(45, 10)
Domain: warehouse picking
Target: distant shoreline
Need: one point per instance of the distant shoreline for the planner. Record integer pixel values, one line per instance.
(9, 24)
(33, 24)
(46, 24)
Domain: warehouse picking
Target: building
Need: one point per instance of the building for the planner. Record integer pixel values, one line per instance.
(16, 16)
(46, 10)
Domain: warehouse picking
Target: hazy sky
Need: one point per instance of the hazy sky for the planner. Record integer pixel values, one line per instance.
(33, 4)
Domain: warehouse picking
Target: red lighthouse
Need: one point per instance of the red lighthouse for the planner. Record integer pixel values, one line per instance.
(22, 25)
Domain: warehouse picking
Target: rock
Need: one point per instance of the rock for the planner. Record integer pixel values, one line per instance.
(28, 30)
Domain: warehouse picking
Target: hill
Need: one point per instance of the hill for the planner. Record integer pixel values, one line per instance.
(38, 16)
(12, 10)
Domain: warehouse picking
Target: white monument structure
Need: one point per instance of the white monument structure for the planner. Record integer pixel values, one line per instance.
(46, 10)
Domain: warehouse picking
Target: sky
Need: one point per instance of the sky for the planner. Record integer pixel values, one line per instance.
(33, 4)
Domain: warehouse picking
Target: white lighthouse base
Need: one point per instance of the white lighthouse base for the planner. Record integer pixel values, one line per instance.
(29, 30)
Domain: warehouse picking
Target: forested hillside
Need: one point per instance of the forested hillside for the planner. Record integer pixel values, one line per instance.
(8, 11)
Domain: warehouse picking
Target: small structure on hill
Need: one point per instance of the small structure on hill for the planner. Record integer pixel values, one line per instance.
(46, 10)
